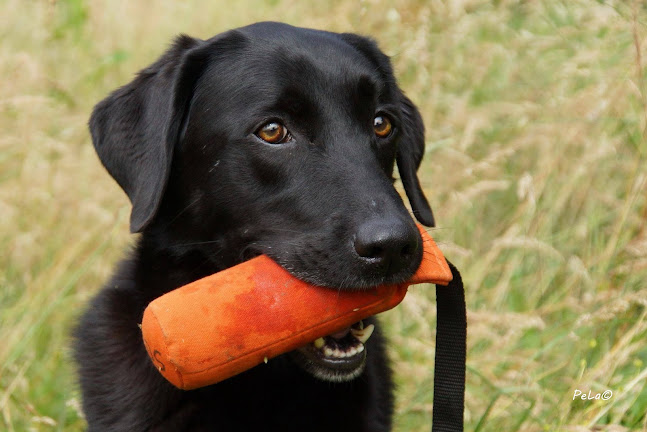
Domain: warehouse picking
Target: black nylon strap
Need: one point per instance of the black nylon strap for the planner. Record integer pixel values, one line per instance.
(449, 375)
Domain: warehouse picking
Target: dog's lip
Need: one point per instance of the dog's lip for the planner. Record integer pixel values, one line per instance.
(360, 283)
(363, 280)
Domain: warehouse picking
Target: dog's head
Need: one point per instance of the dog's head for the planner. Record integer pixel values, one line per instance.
(277, 140)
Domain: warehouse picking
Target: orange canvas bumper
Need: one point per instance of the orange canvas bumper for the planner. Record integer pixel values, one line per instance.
(231, 321)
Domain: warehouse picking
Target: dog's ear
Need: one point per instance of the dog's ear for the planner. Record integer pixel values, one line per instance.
(411, 149)
(135, 129)
(411, 146)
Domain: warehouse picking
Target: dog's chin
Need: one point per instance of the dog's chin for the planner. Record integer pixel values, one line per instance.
(339, 357)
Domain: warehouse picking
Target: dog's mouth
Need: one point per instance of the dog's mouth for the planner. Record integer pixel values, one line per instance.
(338, 357)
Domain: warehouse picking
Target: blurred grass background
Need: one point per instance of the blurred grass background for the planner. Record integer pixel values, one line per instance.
(535, 167)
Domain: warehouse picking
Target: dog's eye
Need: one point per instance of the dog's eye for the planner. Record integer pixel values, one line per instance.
(382, 126)
(273, 133)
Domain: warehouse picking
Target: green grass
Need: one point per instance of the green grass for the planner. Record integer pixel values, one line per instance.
(536, 113)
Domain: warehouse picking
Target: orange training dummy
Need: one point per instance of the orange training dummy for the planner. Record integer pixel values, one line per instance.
(231, 321)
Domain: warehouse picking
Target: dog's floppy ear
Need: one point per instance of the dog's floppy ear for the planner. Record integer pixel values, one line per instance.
(410, 151)
(135, 129)
(411, 146)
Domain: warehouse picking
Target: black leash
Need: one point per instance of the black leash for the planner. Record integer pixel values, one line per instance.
(449, 376)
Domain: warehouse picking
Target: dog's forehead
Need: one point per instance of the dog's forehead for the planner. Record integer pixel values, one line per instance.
(275, 53)
(322, 48)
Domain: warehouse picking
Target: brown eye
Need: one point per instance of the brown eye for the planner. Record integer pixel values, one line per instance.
(273, 133)
(382, 126)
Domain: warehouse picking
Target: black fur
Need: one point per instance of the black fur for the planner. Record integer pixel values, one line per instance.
(207, 193)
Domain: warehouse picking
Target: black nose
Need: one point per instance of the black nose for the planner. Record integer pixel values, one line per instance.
(387, 245)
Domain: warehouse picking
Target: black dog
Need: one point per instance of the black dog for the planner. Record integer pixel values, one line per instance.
(268, 139)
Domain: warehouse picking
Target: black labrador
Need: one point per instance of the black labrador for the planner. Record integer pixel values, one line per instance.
(268, 139)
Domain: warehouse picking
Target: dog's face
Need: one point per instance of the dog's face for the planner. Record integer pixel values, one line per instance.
(274, 140)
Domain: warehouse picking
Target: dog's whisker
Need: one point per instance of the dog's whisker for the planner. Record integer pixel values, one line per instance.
(288, 231)
(195, 201)
(195, 243)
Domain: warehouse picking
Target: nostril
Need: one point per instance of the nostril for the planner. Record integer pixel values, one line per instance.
(367, 249)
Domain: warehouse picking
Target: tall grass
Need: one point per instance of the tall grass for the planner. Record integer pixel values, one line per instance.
(536, 113)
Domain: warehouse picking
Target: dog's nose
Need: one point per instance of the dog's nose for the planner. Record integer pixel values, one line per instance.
(387, 245)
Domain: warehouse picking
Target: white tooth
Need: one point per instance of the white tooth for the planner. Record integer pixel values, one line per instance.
(328, 352)
(368, 331)
(363, 335)
(361, 324)
(351, 352)
(360, 349)
(337, 353)
(319, 343)
(265, 360)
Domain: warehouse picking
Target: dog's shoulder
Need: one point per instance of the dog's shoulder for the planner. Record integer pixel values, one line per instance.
(108, 339)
